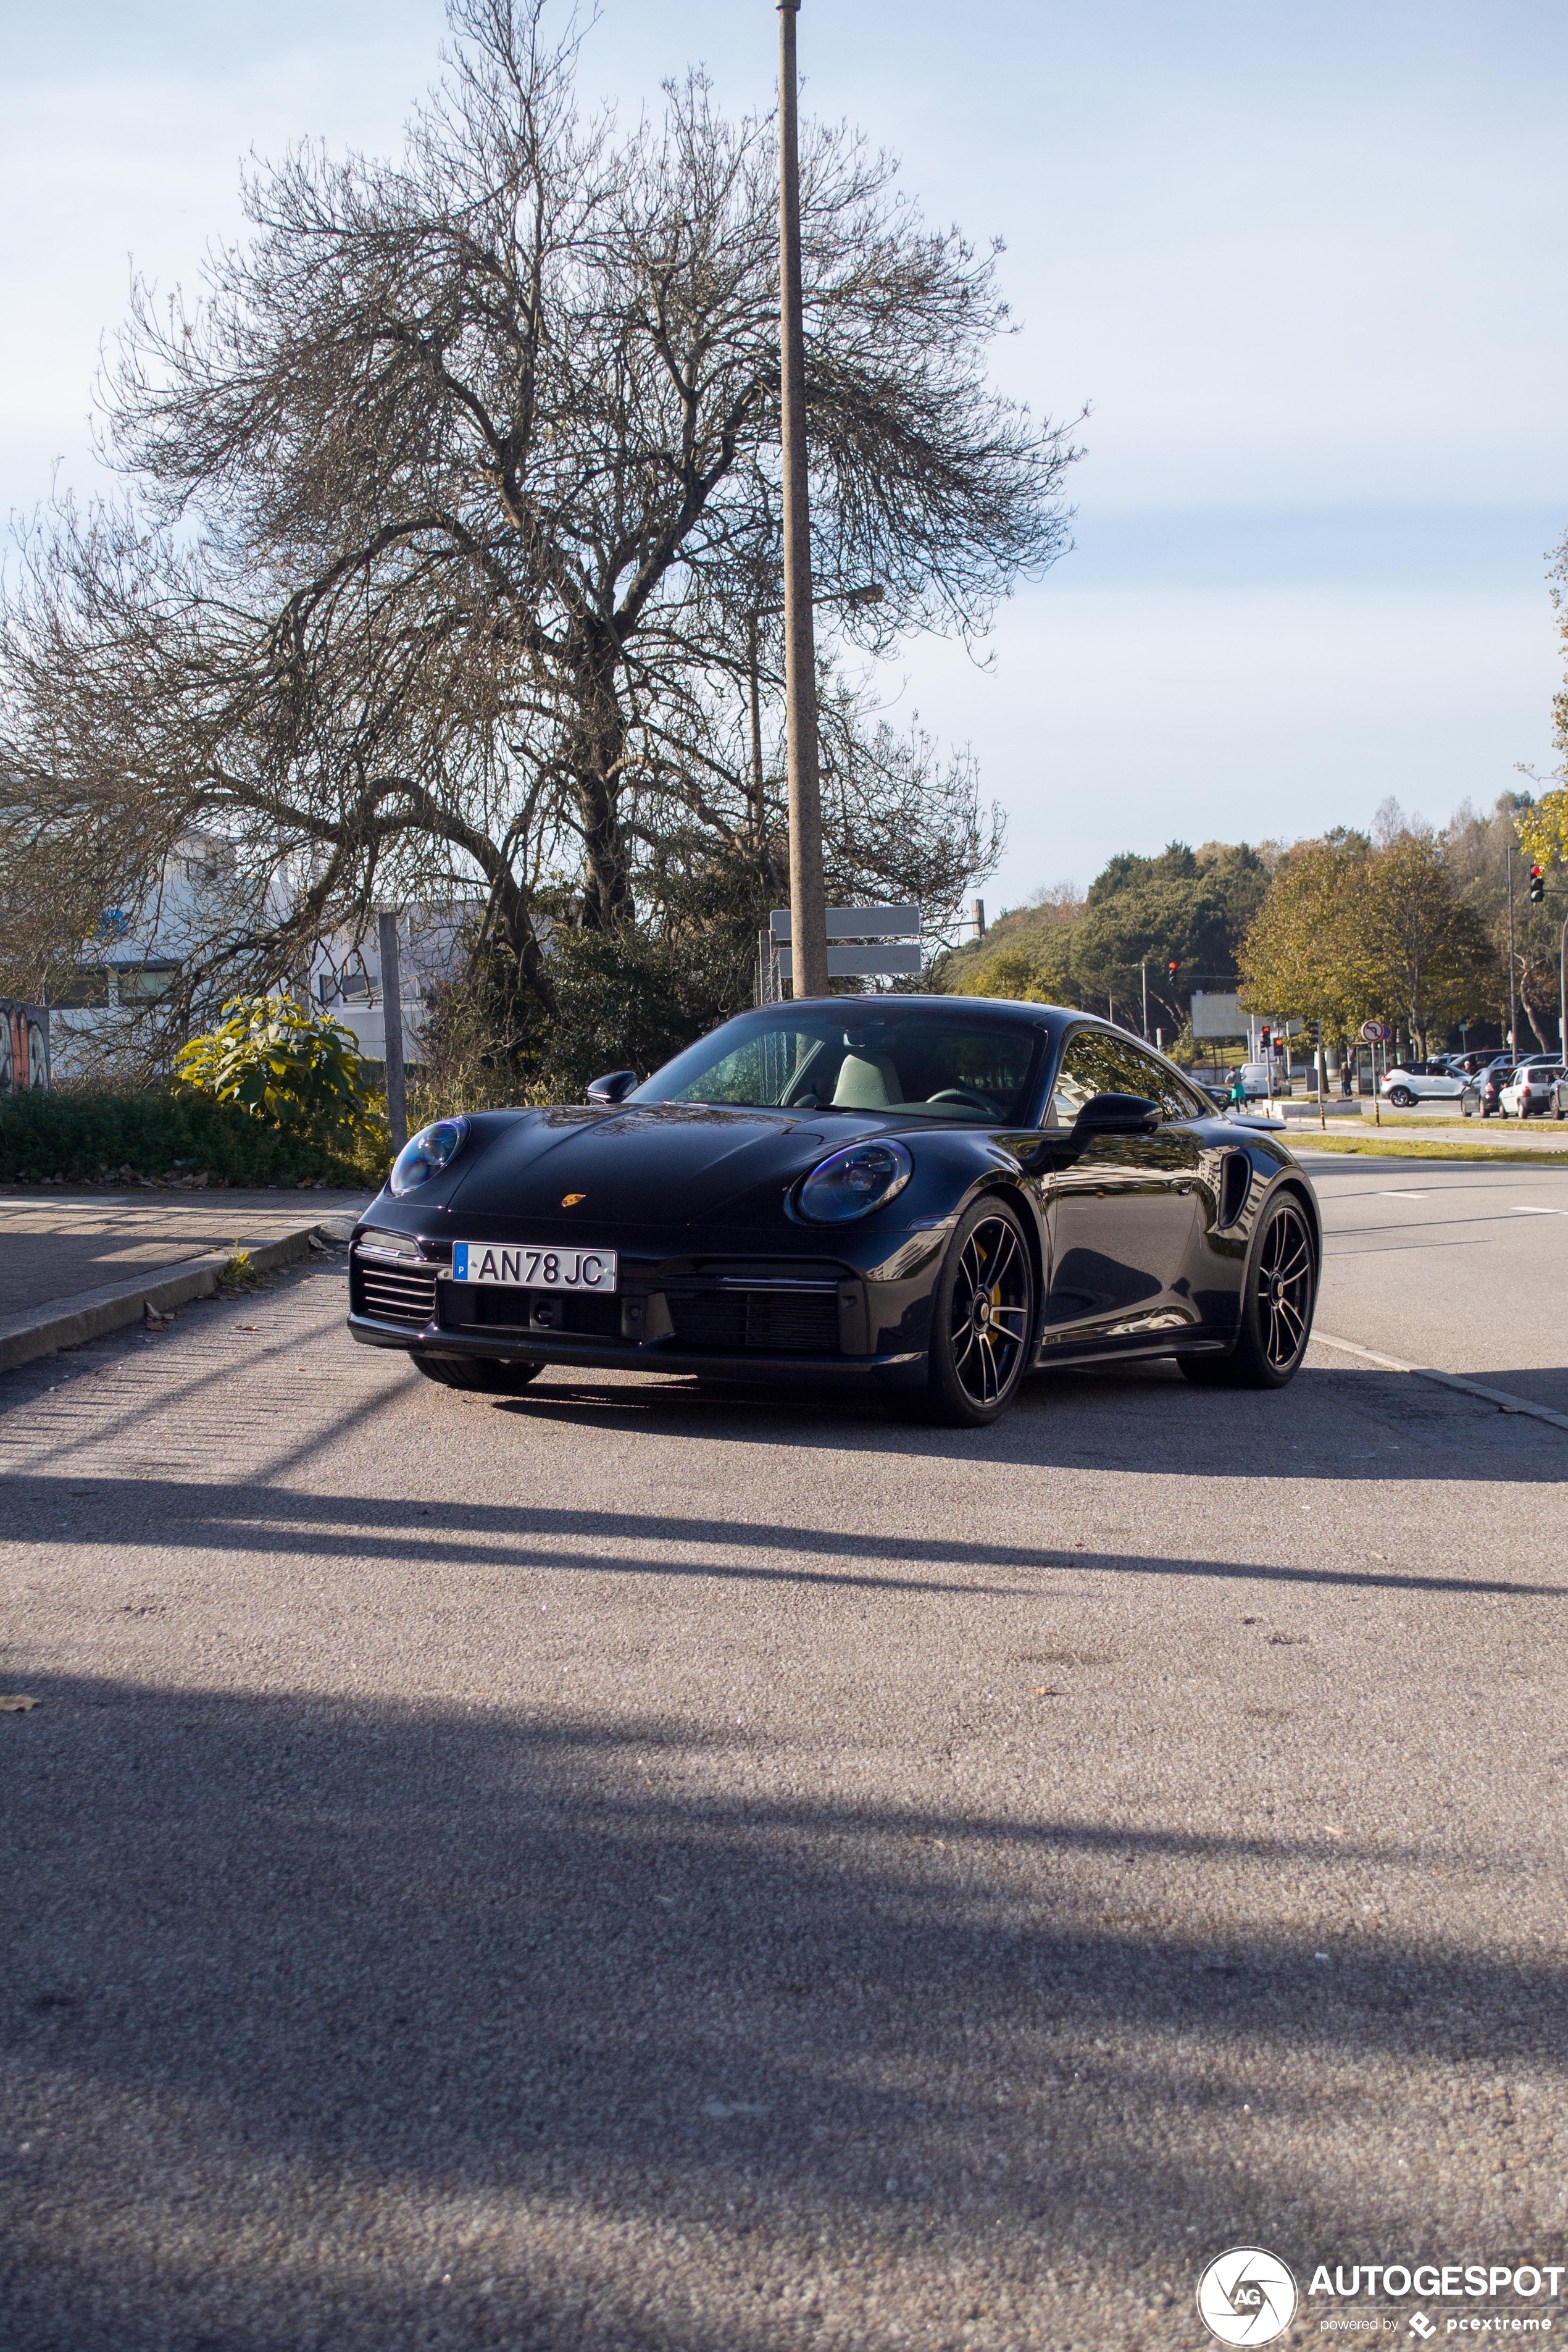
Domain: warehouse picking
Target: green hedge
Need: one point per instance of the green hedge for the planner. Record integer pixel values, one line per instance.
(82, 1137)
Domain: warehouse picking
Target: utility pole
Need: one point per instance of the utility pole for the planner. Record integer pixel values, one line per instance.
(759, 801)
(1143, 976)
(1512, 1010)
(807, 897)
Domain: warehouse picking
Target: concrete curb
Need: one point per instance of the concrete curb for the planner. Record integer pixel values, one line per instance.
(67, 1323)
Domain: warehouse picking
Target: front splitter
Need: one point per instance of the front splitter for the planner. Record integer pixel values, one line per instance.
(648, 1356)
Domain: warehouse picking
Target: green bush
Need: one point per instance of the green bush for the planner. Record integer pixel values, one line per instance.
(288, 1066)
(83, 1137)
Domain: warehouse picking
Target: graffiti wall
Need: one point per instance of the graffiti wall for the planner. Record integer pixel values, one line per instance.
(24, 1047)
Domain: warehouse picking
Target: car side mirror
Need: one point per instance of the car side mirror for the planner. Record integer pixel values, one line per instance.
(1118, 1115)
(612, 1088)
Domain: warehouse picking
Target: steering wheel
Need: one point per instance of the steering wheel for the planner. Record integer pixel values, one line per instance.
(987, 1110)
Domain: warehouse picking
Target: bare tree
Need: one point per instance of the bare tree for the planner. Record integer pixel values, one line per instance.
(453, 519)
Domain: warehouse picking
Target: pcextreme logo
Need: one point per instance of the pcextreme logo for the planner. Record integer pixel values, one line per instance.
(1247, 2297)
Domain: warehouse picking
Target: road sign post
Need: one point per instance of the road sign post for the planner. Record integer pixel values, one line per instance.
(391, 1021)
(1375, 1033)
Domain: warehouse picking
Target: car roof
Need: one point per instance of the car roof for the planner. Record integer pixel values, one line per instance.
(1037, 1016)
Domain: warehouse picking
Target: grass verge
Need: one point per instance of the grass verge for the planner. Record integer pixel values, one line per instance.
(1481, 1154)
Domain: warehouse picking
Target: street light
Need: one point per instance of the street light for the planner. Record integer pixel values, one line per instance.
(808, 892)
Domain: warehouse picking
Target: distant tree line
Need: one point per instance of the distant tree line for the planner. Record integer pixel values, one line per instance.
(1406, 924)
(1098, 951)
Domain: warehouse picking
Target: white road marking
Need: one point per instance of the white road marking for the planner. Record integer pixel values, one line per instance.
(1502, 1397)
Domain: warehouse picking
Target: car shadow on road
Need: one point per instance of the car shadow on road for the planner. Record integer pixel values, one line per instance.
(382, 2026)
(1347, 1424)
(363, 1532)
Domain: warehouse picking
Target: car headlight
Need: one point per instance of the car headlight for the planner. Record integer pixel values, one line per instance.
(851, 1183)
(425, 1155)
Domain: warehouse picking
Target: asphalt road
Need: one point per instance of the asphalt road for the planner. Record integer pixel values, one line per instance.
(620, 1869)
(1465, 1269)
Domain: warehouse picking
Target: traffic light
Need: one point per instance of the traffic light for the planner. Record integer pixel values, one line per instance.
(1171, 967)
(1537, 886)
(1263, 1036)
(1315, 1031)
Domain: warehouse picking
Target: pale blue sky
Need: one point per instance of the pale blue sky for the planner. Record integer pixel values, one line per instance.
(1307, 265)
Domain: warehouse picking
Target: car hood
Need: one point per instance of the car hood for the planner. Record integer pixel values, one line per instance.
(646, 1163)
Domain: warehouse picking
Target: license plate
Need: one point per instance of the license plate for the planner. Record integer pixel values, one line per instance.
(527, 1268)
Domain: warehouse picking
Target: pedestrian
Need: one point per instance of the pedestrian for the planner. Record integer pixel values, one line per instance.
(1345, 1075)
(1238, 1090)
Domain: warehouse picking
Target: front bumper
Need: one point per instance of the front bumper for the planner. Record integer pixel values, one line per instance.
(756, 1317)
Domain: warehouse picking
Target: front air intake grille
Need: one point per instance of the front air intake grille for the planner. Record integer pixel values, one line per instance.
(403, 1293)
(762, 1322)
(468, 1306)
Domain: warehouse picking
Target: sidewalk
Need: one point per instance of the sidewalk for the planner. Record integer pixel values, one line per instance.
(74, 1265)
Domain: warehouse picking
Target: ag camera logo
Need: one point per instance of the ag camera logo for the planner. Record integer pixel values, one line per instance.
(1247, 2297)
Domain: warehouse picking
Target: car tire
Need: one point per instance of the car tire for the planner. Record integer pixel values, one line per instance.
(487, 1374)
(1558, 1112)
(1402, 1098)
(982, 1330)
(1278, 1298)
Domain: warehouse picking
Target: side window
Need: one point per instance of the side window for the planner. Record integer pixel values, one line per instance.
(1096, 1061)
(1174, 1095)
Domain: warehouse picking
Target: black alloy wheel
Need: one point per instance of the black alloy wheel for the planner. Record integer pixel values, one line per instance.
(982, 1318)
(1277, 1306)
(487, 1374)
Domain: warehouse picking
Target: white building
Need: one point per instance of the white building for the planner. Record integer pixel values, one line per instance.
(139, 953)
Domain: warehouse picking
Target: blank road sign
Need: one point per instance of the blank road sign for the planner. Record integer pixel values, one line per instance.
(861, 962)
(861, 923)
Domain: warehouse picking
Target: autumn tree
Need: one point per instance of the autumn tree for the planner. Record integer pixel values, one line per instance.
(1429, 957)
(1348, 931)
(1305, 956)
(1543, 822)
(1477, 847)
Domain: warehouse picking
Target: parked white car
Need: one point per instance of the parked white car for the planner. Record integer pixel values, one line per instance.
(1532, 1092)
(1409, 1083)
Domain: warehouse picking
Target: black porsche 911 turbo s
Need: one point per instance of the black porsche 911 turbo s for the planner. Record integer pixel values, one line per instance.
(933, 1194)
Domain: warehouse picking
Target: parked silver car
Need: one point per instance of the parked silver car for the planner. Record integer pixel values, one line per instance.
(1532, 1092)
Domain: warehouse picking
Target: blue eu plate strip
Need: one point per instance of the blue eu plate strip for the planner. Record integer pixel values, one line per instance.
(460, 1263)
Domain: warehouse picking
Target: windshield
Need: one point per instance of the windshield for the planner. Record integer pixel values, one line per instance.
(914, 1059)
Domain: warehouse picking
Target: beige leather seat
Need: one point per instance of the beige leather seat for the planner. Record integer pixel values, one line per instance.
(866, 1083)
